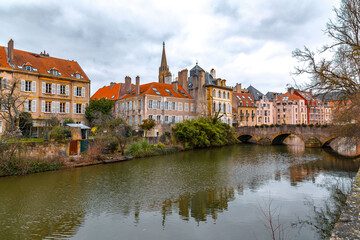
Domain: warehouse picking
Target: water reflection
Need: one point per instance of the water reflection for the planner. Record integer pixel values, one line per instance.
(218, 184)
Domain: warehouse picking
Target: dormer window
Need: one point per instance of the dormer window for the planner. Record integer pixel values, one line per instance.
(28, 68)
(54, 71)
(77, 75)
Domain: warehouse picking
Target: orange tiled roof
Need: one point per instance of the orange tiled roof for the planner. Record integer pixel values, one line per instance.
(161, 88)
(111, 93)
(290, 97)
(42, 63)
(244, 98)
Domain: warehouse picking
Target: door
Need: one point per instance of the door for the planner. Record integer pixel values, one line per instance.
(73, 148)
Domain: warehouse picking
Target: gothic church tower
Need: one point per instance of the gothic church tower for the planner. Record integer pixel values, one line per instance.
(164, 72)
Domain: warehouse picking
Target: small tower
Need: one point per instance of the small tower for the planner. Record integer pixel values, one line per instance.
(164, 72)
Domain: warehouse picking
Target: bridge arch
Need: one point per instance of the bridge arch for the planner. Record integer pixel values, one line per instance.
(246, 137)
(327, 141)
(280, 137)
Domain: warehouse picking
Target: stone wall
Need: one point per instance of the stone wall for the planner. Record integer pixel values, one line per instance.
(348, 225)
(44, 149)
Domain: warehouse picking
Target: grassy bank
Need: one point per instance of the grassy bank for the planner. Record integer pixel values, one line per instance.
(144, 149)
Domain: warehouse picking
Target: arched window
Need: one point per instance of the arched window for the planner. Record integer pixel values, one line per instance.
(224, 106)
(213, 93)
(219, 107)
(214, 106)
(228, 95)
(223, 94)
(219, 94)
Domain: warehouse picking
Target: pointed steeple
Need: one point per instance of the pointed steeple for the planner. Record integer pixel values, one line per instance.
(163, 57)
(164, 72)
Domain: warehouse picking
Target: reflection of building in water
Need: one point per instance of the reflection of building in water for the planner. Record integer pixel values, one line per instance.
(300, 173)
(200, 205)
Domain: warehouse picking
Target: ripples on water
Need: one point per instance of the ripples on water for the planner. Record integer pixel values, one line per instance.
(203, 194)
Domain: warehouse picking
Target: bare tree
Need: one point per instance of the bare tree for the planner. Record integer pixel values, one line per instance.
(340, 73)
(11, 105)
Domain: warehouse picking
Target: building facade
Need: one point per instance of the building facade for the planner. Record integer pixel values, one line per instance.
(290, 108)
(246, 109)
(49, 87)
(167, 104)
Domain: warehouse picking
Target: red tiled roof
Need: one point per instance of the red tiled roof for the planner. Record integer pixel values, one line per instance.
(107, 92)
(244, 98)
(290, 96)
(161, 88)
(42, 63)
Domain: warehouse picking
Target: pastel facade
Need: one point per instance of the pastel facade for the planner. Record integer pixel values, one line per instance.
(167, 104)
(50, 87)
(290, 108)
(246, 109)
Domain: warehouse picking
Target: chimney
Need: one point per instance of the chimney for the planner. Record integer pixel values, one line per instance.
(275, 97)
(175, 86)
(112, 84)
(11, 52)
(127, 84)
(237, 88)
(291, 90)
(183, 79)
(137, 85)
(213, 73)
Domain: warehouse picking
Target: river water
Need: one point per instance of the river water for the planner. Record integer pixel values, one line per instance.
(205, 194)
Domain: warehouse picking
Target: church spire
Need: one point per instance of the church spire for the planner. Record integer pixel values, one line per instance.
(163, 57)
(164, 72)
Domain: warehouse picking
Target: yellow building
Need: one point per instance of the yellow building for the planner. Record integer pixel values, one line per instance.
(50, 87)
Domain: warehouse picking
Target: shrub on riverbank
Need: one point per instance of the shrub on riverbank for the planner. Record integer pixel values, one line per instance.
(203, 132)
(144, 149)
(21, 166)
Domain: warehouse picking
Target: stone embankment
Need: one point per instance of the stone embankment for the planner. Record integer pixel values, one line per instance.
(348, 226)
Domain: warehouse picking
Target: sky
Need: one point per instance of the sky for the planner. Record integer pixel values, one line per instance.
(245, 41)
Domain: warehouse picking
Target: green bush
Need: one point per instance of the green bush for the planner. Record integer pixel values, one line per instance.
(59, 133)
(160, 145)
(311, 125)
(304, 125)
(272, 125)
(203, 132)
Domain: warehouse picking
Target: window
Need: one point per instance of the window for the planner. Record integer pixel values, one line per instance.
(150, 117)
(186, 106)
(77, 75)
(47, 87)
(180, 106)
(173, 106)
(28, 68)
(78, 108)
(3, 83)
(158, 104)
(166, 105)
(156, 91)
(150, 104)
(223, 94)
(62, 89)
(29, 106)
(219, 94)
(192, 107)
(228, 95)
(173, 119)
(158, 118)
(47, 107)
(28, 86)
(166, 119)
(213, 93)
(78, 91)
(62, 107)
(168, 91)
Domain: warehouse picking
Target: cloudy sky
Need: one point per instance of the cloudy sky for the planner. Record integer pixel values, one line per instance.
(246, 41)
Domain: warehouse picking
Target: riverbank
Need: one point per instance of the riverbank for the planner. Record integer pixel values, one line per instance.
(348, 225)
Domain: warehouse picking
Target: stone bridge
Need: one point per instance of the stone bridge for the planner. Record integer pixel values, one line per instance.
(316, 136)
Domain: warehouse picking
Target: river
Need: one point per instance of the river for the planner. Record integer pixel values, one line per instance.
(204, 194)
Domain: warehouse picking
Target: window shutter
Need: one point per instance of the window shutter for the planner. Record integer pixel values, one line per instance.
(161, 105)
(75, 91)
(58, 89)
(4, 85)
(67, 90)
(33, 107)
(83, 108)
(53, 88)
(43, 87)
(83, 92)
(26, 106)
(22, 85)
(74, 108)
(67, 107)
(53, 107)
(33, 86)
(42, 106)
(57, 107)
(148, 104)
(176, 106)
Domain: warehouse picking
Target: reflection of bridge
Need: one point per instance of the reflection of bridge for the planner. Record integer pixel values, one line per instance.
(315, 136)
